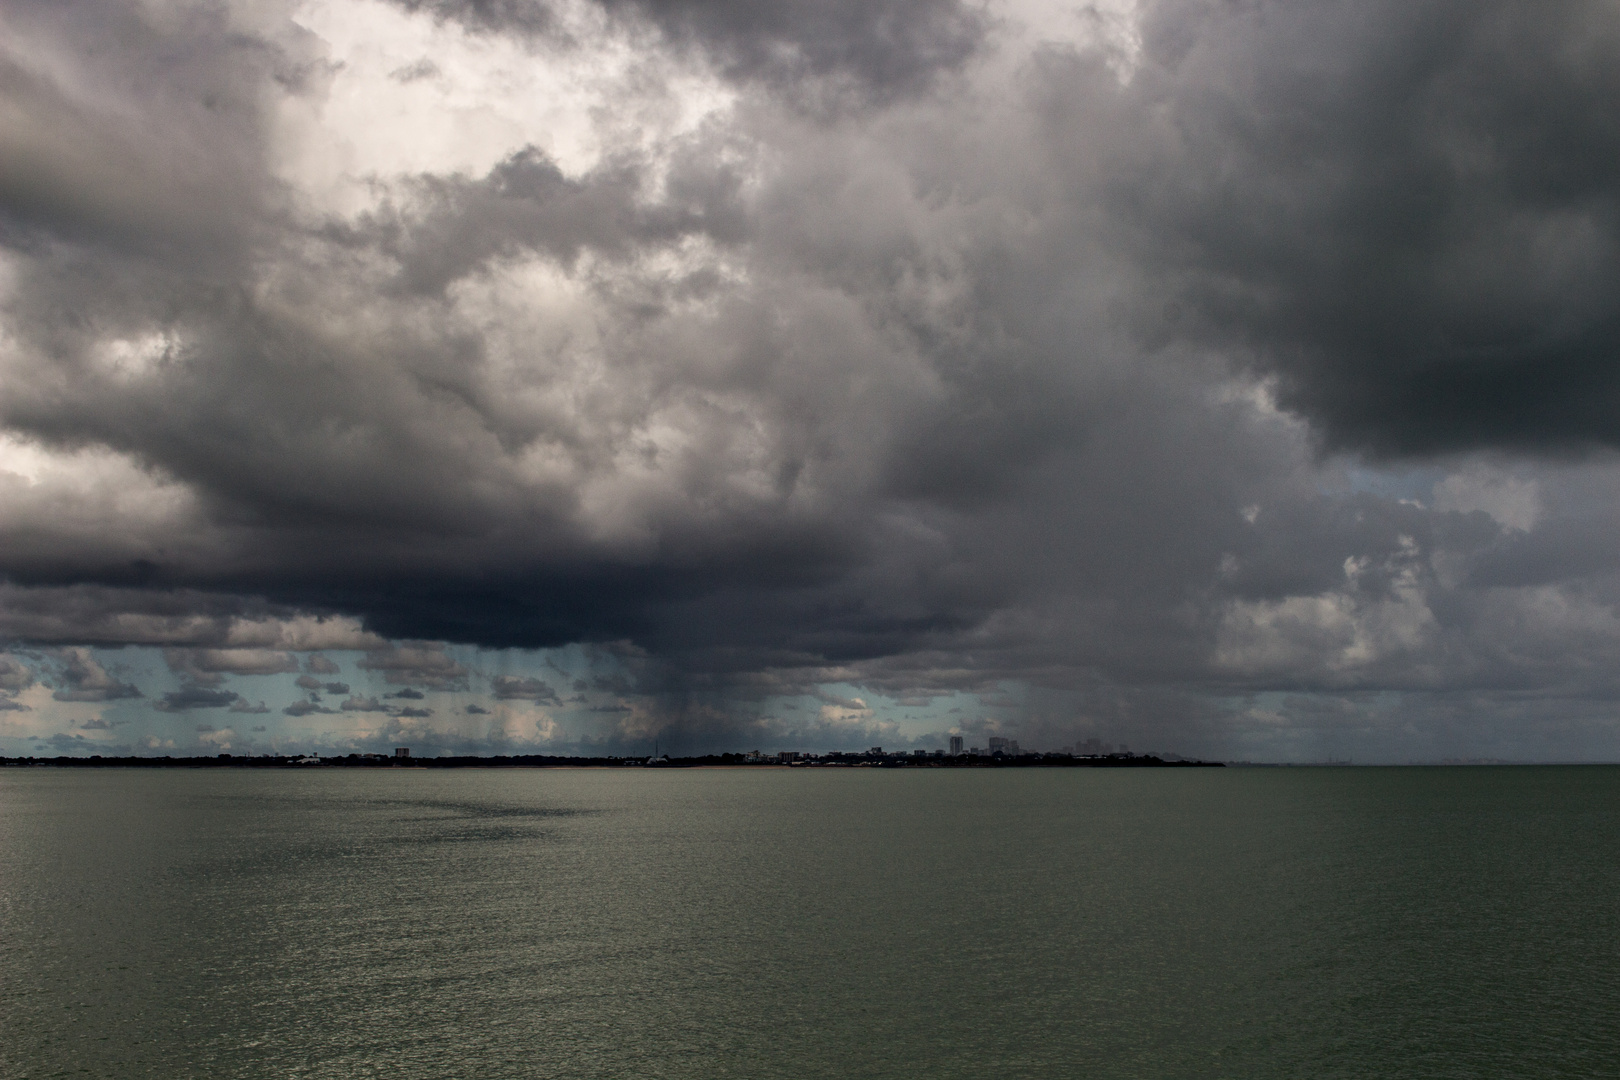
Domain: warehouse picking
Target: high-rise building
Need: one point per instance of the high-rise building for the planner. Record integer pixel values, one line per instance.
(956, 745)
(998, 744)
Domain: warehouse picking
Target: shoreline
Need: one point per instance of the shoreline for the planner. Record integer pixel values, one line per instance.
(537, 761)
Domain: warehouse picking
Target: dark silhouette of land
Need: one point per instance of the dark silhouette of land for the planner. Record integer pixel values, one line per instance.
(868, 759)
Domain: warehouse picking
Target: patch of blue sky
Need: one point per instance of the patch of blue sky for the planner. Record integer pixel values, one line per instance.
(1413, 484)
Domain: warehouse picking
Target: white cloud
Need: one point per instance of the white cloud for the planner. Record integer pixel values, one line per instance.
(384, 114)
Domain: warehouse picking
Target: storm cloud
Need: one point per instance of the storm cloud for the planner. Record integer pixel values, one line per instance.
(1232, 375)
(196, 697)
(878, 48)
(1409, 212)
(79, 676)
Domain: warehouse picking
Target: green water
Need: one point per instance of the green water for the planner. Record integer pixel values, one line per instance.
(811, 923)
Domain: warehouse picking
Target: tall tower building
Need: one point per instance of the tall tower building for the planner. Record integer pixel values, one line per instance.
(956, 745)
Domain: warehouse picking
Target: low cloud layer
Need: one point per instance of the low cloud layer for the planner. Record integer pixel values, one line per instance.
(1240, 376)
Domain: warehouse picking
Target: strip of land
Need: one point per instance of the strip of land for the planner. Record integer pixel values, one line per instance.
(546, 761)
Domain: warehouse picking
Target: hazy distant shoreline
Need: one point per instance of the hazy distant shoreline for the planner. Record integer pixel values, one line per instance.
(537, 761)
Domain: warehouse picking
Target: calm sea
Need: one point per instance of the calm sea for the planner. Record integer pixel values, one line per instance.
(811, 923)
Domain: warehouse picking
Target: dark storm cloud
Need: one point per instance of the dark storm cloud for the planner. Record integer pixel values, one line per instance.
(338, 484)
(196, 697)
(208, 667)
(210, 634)
(878, 48)
(499, 16)
(449, 227)
(79, 676)
(14, 674)
(1408, 212)
(885, 47)
(76, 614)
(172, 179)
(512, 687)
(417, 664)
(309, 682)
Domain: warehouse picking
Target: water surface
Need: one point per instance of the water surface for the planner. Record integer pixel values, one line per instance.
(810, 923)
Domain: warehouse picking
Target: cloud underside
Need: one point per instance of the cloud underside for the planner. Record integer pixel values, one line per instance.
(901, 342)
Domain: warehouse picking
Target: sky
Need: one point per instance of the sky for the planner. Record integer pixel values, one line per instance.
(1233, 378)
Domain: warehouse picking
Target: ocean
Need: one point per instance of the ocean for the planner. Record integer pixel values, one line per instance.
(1300, 923)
